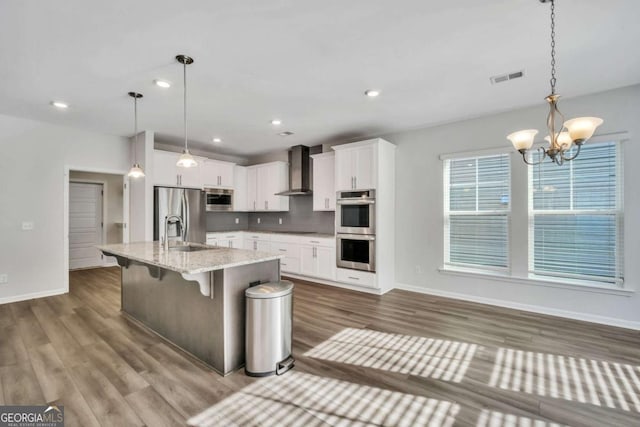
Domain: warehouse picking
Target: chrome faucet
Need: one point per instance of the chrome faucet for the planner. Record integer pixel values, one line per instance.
(166, 229)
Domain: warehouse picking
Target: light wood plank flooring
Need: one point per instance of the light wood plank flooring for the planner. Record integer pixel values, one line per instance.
(486, 365)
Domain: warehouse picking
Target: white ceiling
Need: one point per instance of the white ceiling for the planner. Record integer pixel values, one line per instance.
(305, 62)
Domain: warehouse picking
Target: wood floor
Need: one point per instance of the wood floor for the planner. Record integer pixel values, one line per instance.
(486, 365)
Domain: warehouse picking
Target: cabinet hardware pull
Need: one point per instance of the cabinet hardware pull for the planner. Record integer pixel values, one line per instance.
(283, 250)
(354, 278)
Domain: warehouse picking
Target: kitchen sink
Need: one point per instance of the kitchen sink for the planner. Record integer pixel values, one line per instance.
(190, 247)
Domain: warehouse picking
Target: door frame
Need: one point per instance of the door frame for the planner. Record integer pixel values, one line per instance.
(65, 216)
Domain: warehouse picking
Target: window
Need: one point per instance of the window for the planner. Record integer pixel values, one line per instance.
(575, 216)
(477, 205)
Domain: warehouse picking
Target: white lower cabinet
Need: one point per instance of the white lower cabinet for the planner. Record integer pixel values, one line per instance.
(314, 257)
(256, 242)
(356, 277)
(225, 240)
(318, 257)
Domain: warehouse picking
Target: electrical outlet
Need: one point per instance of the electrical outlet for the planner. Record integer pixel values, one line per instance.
(419, 269)
(280, 221)
(4, 278)
(258, 220)
(237, 220)
(27, 225)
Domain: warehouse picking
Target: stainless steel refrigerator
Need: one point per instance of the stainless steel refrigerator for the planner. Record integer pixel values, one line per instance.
(188, 204)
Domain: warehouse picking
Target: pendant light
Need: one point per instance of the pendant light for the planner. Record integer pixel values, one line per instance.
(577, 132)
(135, 171)
(186, 160)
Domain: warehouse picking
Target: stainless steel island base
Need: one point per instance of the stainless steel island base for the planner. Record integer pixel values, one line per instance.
(209, 327)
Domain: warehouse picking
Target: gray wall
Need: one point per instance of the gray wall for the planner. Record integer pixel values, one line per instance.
(419, 214)
(300, 217)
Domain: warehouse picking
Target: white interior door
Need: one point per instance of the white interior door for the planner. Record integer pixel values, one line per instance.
(85, 225)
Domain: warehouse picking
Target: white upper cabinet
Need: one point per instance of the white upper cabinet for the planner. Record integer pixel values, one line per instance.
(263, 182)
(324, 191)
(356, 166)
(252, 189)
(217, 174)
(240, 196)
(165, 171)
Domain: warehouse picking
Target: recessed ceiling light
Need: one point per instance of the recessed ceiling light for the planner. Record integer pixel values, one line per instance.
(287, 133)
(372, 93)
(276, 122)
(60, 104)
(162, 83)
(217, 140)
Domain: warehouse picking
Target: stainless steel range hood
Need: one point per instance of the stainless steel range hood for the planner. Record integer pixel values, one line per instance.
(299, 172)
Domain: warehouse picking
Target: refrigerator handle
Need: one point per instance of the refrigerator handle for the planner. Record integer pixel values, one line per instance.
(185, 216)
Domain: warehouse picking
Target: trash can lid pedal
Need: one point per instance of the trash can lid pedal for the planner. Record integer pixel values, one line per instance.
(270, 290)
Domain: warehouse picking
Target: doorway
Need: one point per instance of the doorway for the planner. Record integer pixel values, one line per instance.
(97, 213)
(86, 224)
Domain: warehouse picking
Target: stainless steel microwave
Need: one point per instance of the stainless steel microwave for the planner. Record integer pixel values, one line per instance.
(218, 199)
(356, 212)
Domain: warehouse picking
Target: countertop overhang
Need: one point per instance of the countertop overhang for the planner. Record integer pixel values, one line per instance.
(190, 263)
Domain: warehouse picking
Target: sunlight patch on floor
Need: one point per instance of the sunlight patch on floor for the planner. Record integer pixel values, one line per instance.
(299, 399)
(600, 383)
(489, 418)
(425, 357)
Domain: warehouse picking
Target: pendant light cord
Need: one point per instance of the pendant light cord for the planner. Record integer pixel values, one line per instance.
(186, 141)
(135, 127)
(553, 48)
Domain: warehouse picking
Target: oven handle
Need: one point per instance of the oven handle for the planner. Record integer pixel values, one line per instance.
(356, 236)
(356, 201)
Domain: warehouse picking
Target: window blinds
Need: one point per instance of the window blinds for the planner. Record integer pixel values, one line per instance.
(575, 216)
(477, 205)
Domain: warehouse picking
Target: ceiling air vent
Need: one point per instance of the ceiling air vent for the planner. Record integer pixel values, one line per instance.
(506, 77)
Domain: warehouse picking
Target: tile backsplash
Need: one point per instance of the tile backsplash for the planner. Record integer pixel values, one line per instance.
(300, 217)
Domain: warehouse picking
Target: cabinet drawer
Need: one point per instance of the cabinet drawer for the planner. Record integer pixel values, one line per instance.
(257, 236)
(290, 265)
(318, 241)
(355, 277)
(288, 249)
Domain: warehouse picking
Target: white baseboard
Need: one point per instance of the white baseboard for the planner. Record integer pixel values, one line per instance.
(34, 295)
(603, 320)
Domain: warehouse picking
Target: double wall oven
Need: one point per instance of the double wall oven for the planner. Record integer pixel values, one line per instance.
(356, 230)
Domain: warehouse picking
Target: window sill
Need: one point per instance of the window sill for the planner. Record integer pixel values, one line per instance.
(583, 286)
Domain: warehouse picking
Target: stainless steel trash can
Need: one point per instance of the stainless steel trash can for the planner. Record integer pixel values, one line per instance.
(268, 329)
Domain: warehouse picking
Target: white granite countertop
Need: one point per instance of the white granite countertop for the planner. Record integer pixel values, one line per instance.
(212, 258)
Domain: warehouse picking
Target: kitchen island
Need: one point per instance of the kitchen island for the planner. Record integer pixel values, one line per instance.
(193, 294)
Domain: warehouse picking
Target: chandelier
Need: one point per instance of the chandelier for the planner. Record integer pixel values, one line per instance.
(571, 132)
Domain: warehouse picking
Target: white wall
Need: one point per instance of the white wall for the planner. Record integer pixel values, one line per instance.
(112, 200)
(419, 216)
(33, 156)
(141, 197)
